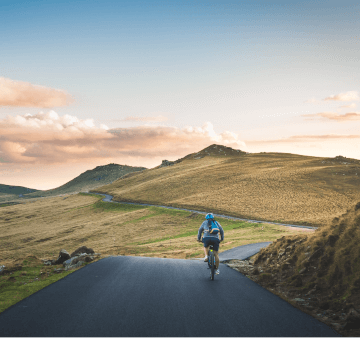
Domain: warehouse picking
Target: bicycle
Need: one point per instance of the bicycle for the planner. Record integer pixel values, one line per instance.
(211, 261)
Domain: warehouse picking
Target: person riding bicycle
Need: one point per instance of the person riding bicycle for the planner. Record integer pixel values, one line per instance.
(210, 238)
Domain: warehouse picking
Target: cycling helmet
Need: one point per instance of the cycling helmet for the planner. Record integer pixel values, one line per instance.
(209, 216)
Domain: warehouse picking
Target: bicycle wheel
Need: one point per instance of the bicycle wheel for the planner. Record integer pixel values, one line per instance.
(212, 264)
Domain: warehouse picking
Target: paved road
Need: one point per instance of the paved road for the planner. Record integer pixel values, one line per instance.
(108, 198)
(142, 296)
(241, 252)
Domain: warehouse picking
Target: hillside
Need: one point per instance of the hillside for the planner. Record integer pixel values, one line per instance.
(12, 191)
(266, 186)
(90, 179)
(320, 270)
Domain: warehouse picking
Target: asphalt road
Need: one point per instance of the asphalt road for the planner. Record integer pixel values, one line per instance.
(142, 296)
(241, 252)
(108, 198)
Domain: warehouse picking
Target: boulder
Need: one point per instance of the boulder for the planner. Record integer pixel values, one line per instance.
(63, 256)
(82, 250)
(81, 258)
(71, 266)
(78, 257)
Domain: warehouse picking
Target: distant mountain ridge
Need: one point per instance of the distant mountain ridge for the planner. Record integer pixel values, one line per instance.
(15, 190)
(90, 179)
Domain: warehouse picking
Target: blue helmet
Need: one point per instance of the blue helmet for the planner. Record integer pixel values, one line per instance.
(209, 216)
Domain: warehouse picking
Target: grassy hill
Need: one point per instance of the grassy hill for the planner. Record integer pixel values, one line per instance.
(15, 190)
(12, 192)
(321, 270)
(90, 179)
(266, 186)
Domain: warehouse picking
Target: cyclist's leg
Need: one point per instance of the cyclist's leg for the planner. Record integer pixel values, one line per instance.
(217, 259)
(216, 243)
(206, 245)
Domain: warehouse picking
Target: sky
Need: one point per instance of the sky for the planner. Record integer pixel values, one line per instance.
(88, 83)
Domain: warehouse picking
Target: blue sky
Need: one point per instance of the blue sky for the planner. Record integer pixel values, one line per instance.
(252, 68)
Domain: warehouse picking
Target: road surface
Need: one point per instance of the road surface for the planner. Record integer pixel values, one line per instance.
(142, 296)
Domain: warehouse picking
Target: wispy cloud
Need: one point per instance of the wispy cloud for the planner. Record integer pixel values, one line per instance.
(24, 94)
(352, 105)
(348, 96)
(158, 118)
(313, 101)
(50, 138)
(353, 116)
(305, 138)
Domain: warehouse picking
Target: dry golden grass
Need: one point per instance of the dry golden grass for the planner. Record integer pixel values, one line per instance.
(322, 267)
(267, 186)
(44, 227)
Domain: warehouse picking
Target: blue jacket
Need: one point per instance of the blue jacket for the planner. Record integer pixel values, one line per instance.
(205, 228)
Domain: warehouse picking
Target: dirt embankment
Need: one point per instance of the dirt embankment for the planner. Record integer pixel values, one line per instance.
(318, 273)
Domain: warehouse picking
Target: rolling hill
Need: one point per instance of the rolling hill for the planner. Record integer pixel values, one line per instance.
(90, 179)
(14, 190)
(266, 186)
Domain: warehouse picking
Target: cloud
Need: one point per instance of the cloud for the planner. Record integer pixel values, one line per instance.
(158, 118)
(306, 138)
(313, 100)
(50, 138)
(24, 94)
(171, 141)
(348, 96)
(352, 105)
(353, 116)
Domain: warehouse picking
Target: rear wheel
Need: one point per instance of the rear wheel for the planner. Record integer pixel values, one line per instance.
(212, 264)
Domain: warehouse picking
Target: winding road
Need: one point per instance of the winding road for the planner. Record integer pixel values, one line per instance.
(108, 198)
(145, 296)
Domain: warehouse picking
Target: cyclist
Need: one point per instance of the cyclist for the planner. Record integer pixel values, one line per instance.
(209, 238)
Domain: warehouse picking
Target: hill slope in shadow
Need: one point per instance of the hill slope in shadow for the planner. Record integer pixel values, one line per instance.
(15, 190)
(266, 186)
(90, 179)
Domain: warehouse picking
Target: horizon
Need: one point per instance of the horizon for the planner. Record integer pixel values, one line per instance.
(89, 169)
(85, 84)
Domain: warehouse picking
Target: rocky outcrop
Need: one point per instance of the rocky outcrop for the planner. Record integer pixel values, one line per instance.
(166, 163)
(77, 258)
(82, 250)
(63, 256)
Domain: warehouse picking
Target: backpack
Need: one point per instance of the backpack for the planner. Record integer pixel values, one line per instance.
(213, 228)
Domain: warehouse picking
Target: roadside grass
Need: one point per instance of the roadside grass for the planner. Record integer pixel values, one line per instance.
(44, 227)
(31, 277)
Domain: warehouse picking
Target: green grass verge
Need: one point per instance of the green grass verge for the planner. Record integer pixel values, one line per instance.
(93, 195)
(20, 284)
(117, 207)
